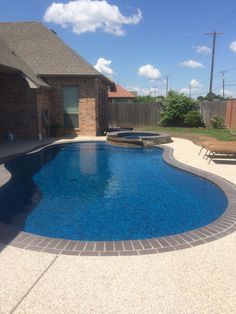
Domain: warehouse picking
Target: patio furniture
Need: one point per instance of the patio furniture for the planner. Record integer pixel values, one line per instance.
(222, 150)
(207, 144)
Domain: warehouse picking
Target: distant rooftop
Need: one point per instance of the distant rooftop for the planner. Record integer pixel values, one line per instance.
(120, 92)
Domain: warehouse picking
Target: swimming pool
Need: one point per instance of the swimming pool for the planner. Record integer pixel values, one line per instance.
(98, 192)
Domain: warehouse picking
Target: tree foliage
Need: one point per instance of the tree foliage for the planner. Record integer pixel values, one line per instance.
(209, 97)
(217, 122)
(193, 119)
(175, 108)
(149, 99)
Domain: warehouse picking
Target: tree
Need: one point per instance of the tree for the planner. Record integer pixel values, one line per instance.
(149, 99)
(175, 108)
(193, 119)
(209, 97)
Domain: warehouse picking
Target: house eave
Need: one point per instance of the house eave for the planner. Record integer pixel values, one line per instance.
(95, 76)
(7, 69)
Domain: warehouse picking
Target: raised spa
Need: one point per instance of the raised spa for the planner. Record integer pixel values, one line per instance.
(96, 191)
(137, 138)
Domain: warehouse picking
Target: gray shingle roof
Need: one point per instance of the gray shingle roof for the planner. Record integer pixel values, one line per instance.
(8, 59)
(43, 50)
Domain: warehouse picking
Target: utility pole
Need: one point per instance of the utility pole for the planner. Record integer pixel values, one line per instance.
(154, 91)
(223, 82)
(213, 34)
(190, 91)
(167, 85)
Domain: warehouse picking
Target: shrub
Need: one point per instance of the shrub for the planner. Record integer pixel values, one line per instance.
(193, 119)
(217, 122)
(175, 109)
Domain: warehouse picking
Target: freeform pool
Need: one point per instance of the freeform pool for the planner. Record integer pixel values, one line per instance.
(98, 192)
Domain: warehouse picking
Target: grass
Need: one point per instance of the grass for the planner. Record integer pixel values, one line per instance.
(197, 135)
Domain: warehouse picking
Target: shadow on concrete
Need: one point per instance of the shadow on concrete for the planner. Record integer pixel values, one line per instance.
(224, 161)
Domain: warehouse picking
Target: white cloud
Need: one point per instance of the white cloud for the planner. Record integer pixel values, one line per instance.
(153, 91)
(195, 84)
(103, 66)
(140, 91)
(232, 46)
(184, 90)
(89, 16)
(149, 72)
(203, 49)
(228, 93)
(192, 64)
(195, 87)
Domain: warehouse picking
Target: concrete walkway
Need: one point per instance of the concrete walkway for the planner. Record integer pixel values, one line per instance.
(197, 280)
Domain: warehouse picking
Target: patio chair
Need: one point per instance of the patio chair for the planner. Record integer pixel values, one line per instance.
(205, 144)
(228, 149)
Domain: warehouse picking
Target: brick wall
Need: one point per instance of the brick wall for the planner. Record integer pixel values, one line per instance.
(44, 98)
(89, 117)
(27, 112)
(18, 109)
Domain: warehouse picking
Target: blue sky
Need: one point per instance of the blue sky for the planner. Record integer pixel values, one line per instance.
(140, 42)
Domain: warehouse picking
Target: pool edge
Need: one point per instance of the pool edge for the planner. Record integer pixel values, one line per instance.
(224, 225)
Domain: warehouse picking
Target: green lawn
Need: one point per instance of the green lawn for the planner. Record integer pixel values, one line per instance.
(196, 134)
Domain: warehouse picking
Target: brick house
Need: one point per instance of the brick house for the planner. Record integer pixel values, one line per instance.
(45, 85)
(120, 95)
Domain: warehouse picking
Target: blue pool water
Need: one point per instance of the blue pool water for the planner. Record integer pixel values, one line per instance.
(95, 191)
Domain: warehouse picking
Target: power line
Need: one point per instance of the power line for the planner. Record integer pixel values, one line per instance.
(213, 34)
(225, 19)
(217, 87)
(221, 21)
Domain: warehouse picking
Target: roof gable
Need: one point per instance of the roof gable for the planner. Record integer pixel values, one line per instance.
(9, 60)
(43, 51)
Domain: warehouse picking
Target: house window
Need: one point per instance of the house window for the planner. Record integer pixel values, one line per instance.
(71, 107)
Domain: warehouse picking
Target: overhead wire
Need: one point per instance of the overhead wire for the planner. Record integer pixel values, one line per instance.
(221, 22)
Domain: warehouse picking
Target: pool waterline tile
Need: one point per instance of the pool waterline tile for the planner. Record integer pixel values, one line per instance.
(100, 246)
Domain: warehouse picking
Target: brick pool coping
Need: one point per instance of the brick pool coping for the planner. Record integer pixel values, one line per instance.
(224, 225)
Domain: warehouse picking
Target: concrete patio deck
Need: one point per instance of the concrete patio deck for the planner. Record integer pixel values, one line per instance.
(195, 280)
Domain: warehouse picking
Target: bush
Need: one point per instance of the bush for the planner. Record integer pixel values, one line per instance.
(175, 109)
(193, 119)
(217, 122)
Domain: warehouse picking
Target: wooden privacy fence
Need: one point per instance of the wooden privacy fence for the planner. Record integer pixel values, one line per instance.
(210, 109)
(230, 117)
(136, 114)
(225, 109)
(133, 115)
